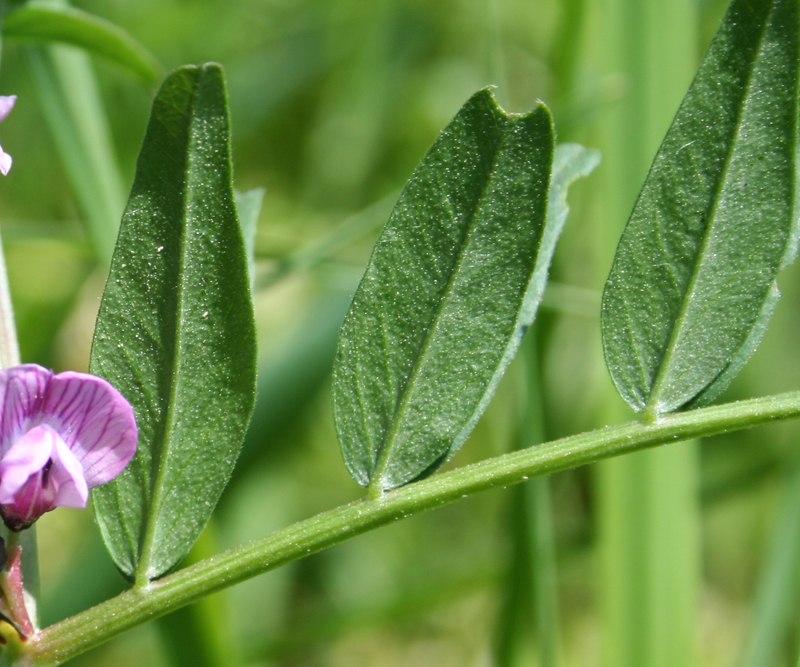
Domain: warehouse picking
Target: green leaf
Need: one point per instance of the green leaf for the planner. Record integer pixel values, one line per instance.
(690, 291)
(437, 316)
(570, 162)
(743, 354)
(45, 22)
(74, 112)
(249, 206)
(175, 333)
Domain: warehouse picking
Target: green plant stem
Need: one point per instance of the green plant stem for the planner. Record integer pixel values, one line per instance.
(541, 547)
(9, 345)
(774, 608)
(79, 633)
(73, 110)
(532, 579)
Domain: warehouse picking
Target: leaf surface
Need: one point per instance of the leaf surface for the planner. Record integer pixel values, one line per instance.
(692, 285)
(438, 313)
(175, 333)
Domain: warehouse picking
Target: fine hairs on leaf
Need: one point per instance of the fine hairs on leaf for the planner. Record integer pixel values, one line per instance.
(692, 287)
(453, 283)
(175, 333)
(436, 317)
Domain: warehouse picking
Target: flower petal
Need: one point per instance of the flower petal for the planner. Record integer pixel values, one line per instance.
(6, 105)
(25, 459)
(66, 476)
(5, 162)
(95, 421)
(22, 391)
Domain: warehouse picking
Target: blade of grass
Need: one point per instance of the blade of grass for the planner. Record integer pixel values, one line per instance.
(648, 507)
(72, 107)
(536, 498)
(565, 53)
(45, 22)
(529, 616)
(775, 602)
(9, 345)
(494, 57)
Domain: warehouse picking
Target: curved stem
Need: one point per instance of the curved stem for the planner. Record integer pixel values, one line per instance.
(75, 635)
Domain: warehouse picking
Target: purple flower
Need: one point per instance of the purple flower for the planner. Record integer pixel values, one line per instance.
(6, 105)
(60, 435)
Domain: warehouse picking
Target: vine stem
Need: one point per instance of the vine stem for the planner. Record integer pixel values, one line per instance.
(83, 631)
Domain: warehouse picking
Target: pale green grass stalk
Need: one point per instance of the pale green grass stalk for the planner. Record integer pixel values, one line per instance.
(538, 513)
(776, 596)
(74, 112)
(530, 614)
(648, 504)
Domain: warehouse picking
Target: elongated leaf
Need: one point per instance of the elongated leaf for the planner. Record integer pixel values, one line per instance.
(74, 112)
(436, 317)
(175, 333)
(689, 291)
(249, 206)
(45, 22)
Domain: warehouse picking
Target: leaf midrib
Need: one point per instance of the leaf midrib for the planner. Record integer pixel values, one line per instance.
(388, 446)
(161, 454)
(526, 315)
(652, 405)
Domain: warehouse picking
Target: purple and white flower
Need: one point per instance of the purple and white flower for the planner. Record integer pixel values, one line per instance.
(60, 435)
(6, 105)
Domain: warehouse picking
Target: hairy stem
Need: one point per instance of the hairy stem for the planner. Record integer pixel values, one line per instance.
(75, 635)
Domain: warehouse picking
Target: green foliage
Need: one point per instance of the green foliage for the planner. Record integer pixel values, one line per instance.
(692, 286)
(248, 204)
(436, 318)
(175, 332)
(73, 110)
(570, 162)
(773, 608)
(45, 22)
(332, 107)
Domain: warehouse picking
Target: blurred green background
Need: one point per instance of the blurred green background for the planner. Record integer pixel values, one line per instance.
(685, 556)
